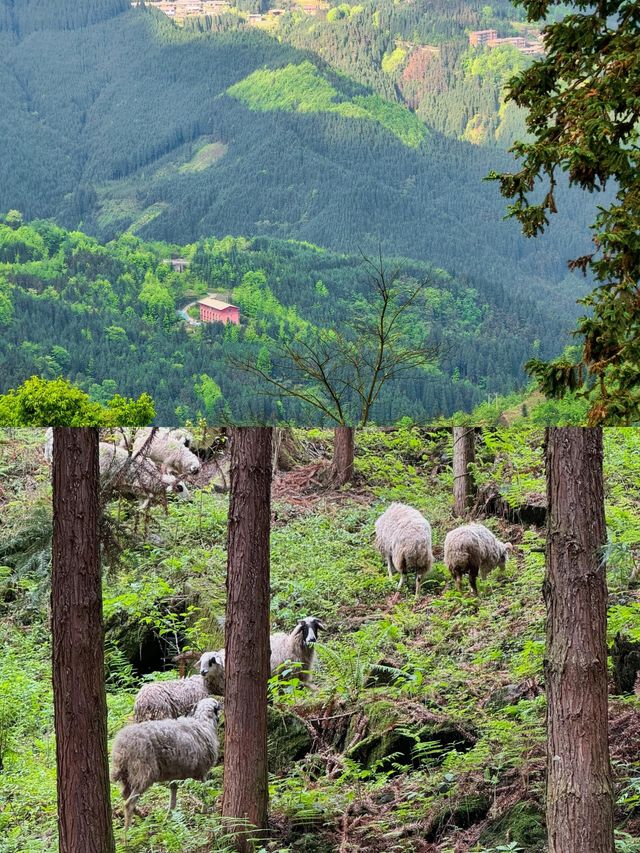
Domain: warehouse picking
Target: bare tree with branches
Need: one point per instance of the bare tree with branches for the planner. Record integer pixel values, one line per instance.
(340, 373)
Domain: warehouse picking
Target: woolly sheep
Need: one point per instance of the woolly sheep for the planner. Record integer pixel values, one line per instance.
(48, 446)
(165, 751)
(403, 537)
(297, 647)
(473, 549)
(168, 448)
(136, 476)
(161, 699)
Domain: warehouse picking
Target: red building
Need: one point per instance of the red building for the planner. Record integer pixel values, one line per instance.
(215, 311)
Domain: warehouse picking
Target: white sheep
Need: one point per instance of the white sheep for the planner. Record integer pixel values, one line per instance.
(403, 537)
(177, 698)
(128, 435)
(296, 647)
(168, 448)
(165, 751)
(48, 446)
(473, 549)
(136, 476)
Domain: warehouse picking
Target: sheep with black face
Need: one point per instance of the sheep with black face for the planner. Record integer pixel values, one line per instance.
(297, 647)
(159, 700)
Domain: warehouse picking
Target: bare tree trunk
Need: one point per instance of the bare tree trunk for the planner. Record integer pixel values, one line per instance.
(464, 453)
(579, 786)
(341, 471)
(80, 707)
(247, 650)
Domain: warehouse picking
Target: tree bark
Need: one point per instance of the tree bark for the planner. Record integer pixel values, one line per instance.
(343, 455)
(579, 785)
(464, 453)
(80, 707)
(247, 650)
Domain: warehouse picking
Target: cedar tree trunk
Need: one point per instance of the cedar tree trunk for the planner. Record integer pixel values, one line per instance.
(80, 707)
(579, 786)
(464, 453)
(247, 650)
(343, 454)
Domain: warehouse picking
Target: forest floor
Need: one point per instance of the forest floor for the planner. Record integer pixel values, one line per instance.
(424, 728)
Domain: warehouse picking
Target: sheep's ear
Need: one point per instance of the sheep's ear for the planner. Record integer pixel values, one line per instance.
(298, 628)
(509, 547)
(320, 625)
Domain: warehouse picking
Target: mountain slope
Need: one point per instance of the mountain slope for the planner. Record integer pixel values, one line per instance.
(104, 120)
(105, 317)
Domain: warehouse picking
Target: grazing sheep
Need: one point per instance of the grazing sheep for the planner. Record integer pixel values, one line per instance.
(136, 476)
(403, 537)
(48, 446)
(161, 699)
(211, 659)
(165, 751)
(168, 448)
(473, 549)
(297, 647)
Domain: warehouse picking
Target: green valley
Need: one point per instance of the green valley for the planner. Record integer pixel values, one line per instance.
(105, 317)
(117, 122)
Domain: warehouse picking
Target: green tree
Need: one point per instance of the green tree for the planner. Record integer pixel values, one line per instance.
(6, 305)
(208, 391)
(42, 402)
(156, 298)
(14, 219)
(584, 118)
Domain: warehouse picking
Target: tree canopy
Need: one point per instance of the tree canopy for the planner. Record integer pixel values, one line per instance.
(42, 402)
(584, 114)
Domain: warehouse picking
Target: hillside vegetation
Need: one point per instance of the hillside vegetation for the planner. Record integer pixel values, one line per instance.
(424, 730)
(418, 55)
(104, 316)
(105, 105)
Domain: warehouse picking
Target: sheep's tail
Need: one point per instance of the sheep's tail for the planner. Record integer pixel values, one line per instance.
(119, 772)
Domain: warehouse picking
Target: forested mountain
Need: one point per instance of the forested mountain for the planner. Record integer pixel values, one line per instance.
(133, 123)
(418, 54)
(424, 730)
(105, 317)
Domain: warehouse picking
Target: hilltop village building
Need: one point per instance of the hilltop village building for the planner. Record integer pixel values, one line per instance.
(177, 264)
(213, 310)
(489, 39)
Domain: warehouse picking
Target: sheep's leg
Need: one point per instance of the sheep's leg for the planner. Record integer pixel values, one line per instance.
(418, 583)
(174, 793)
(390, 567)
(129, 808)
(473, 574)
(401, 581)
(458, 580)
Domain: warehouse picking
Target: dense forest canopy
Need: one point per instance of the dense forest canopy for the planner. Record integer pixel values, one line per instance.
(105, 126)
(369, 128)
(105, 316)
